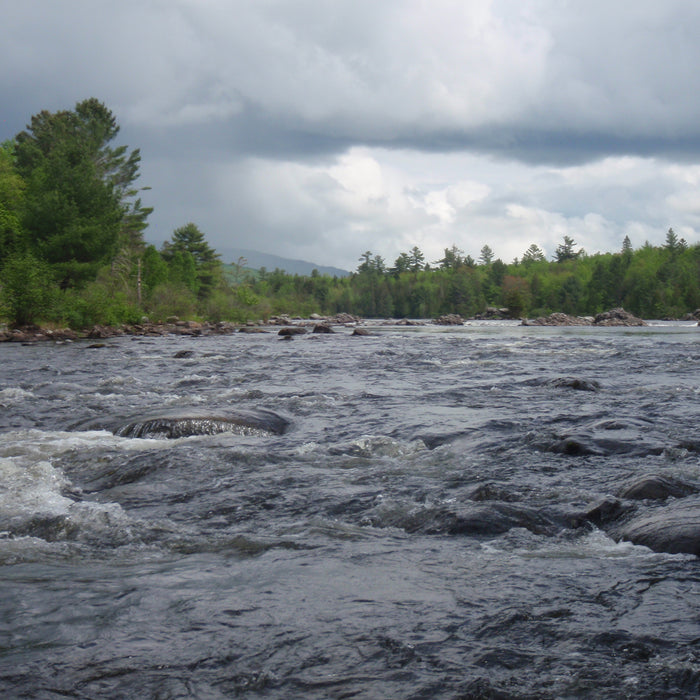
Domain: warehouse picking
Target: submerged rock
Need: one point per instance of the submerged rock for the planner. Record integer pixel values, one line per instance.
(574, 383)
(292, 330)
(184, 423)
(471, 519)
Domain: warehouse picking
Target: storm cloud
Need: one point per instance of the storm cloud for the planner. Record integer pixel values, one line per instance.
(320, 130)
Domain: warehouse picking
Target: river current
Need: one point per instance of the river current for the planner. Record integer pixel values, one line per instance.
(408, 535)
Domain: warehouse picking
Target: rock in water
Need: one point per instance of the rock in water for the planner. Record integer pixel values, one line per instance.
(656, 487)
(182, 423)
(673, 528)
(617, 317)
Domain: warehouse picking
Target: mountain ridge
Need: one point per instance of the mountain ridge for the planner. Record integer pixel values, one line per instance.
(255, 260)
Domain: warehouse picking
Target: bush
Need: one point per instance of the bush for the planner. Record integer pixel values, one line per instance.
(96, 304)
(27, 293)
(171, 300)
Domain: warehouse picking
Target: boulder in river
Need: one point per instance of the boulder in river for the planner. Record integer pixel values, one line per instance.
(558, 319)
(614, 317)
(656, 487)
(673, 528)
(187, 422)
(449, 320)
(617, 317)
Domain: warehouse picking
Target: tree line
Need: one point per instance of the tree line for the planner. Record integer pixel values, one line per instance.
(651, 282)
(72, 252)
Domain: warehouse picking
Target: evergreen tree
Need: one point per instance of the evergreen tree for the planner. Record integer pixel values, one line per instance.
(533, 254)
(401, 264)
(453, 258)
(365, 262)
(566, 251)
(193, 259)
(486, 256)
(78, 189)
(416, 259)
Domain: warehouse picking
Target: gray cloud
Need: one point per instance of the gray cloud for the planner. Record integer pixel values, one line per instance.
(252, 116)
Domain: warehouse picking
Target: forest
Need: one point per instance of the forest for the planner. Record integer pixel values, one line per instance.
(73, 254)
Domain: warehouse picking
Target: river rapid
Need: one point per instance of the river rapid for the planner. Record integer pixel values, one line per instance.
(408, 529)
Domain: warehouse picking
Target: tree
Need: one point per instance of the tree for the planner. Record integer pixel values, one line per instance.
(371, 263)
(416, 259)
(401, 264)
(565, 251)
(626, 245)
(516, 295)
(154, 268)
(671, 240)
(365, 262)
(79, 190)
(378, 264)
(453, 259)
(486, 257)
(11, 203)
(186, 241)
(533, 254)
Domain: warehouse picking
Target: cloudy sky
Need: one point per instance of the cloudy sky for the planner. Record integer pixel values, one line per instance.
(318, 129)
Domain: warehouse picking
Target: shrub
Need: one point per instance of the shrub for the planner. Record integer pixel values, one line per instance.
(27, 293)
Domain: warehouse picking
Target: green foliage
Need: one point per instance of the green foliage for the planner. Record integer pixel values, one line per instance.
(516, 295)
(77, 189)
(154, 269)
(650, 282)
(96, 303)
(170, 299)
(11, 203)
(486, 256)
(533, 254)
(26, 292)
(193, 261)
(566, 250)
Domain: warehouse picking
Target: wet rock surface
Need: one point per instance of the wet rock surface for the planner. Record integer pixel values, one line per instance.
(673, 528)
(614, 317)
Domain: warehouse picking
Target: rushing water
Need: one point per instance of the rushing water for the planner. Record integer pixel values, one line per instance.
(409, 535)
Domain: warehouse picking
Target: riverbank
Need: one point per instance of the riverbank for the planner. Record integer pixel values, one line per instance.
(175, 326)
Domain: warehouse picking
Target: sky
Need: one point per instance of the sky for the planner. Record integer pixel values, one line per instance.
(320, 129)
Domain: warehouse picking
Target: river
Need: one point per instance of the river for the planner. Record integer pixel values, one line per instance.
(407, 530)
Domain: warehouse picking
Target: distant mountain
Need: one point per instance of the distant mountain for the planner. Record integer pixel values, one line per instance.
(256, 260)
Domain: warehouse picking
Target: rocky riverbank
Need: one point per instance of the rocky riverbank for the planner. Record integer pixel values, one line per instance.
(173, 326)
(315, 323)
